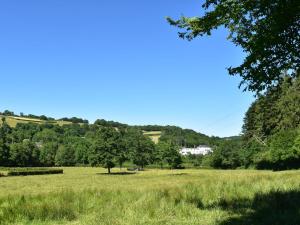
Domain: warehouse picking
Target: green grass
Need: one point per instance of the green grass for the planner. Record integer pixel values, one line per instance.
(155, 197)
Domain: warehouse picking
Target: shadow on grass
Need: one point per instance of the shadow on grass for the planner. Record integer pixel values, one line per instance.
(274, 208)
(178, 174)
(117, 173)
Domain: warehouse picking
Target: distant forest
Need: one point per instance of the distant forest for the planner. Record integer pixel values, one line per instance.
(270, 139)
(104, 143)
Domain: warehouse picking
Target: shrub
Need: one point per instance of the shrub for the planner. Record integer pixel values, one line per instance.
(27, 172)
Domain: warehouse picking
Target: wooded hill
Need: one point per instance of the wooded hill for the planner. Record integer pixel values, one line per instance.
(270, 140)
(32, 141)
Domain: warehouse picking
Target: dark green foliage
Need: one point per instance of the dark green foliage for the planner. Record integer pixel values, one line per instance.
(184, 137)
(65, 156)
(24, 154)
(141, 148)
(270, 127)
(227, 155)
(104, 143)
(81, 147)
(106, 123)
(252, 152)
(267, 31)
(8, 113)
(168, 153)
(5, 130)
(105, 148)
(282, 152)
(160, 151)
(47, 153)
(195, 160)
(278, 109)
(33, 171)
(75, 120)
(46, 135)
(123, 147)
(142, 151)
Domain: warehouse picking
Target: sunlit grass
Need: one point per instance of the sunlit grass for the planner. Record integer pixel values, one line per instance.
(87, 196)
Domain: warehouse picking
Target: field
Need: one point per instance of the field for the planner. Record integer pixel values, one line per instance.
(156, 197)
(154, 135)
(12, 121)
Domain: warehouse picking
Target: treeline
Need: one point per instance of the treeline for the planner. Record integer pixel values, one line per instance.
(186, 137)
(176, 135)
(271, 132)
(31, 145)
(74, 120)
(43, 117)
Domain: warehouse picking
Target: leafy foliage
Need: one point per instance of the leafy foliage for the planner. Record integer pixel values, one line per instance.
(168, 153)
(105, 148)
(227, 155)
(278, 109)
(267, 31)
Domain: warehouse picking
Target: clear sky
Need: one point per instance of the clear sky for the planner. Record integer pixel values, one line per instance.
(117, 60)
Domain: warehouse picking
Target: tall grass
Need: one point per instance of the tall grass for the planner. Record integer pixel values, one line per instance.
(153, 197)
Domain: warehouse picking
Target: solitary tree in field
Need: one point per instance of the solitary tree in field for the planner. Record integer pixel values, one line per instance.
(267, 30)
(104, 151)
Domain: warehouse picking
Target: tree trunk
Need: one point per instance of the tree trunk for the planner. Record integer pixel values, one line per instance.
(108, 168)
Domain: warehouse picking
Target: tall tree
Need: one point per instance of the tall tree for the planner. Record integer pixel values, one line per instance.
(172, 156)
(267, 30)
(105, 148)
(141, 149)
(277, 109)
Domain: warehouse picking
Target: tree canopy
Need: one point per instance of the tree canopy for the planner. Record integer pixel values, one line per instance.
(268, 31)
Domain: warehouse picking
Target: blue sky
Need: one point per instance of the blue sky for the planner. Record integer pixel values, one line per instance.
(118, 60)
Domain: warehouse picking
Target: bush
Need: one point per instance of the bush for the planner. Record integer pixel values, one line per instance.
(29, 171)
(282, 151)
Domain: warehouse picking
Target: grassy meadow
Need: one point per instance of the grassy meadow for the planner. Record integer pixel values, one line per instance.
(154, 135)
(156, 197)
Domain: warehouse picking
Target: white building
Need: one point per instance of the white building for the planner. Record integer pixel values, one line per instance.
(200, 150)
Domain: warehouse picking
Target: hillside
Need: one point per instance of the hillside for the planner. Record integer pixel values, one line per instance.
(12, 121)
(182, 137)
